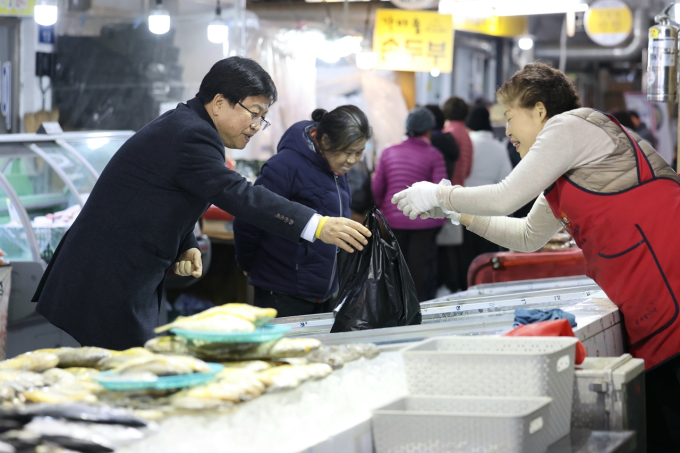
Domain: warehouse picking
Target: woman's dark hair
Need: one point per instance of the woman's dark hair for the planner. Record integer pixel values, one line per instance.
(236, 78)
(455, 109)
(438, 115)
(342, 126)
(624, 118)
(479, 120)
(538, 82)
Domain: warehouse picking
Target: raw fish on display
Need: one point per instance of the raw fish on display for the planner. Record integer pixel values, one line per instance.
(31, 361)
(275, 349)
(167, 345)
(162, 365)
(119, 358)
(224, 321)
(87, 357)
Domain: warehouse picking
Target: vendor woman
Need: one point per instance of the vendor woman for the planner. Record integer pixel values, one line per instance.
(616, 196)
(104, 283)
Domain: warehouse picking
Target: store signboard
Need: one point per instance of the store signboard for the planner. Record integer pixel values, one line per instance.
(608, 22)
(16, 7)
(413, 40)
(506, 26)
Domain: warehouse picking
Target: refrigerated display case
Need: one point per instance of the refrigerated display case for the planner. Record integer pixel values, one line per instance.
(42, 175)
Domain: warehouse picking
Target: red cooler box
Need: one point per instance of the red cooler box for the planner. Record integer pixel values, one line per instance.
(513, 266)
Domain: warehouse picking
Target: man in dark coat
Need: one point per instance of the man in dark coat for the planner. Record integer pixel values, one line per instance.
(104, 282)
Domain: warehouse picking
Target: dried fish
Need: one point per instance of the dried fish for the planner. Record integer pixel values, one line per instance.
(325, 355)
(275, 349)
(118, 358)
(83, 373)
(87, 357)
(162, 365)
(224, 313)
(31, 361)
(76, 412)
(167, 345)
(251, 365)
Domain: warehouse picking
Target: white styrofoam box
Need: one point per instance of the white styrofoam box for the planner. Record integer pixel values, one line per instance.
(421, 424)
(497, 366)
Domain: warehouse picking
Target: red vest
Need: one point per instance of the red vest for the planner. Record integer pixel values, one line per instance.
(631, 242)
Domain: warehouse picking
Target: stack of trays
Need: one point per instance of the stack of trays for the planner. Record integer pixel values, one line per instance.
(500, 394)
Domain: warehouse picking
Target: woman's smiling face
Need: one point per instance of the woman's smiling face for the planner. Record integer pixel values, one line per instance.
(524, 125)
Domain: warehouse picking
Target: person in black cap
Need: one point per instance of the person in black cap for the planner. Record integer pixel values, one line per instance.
(399, 167)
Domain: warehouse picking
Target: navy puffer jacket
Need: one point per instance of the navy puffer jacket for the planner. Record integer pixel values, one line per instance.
(299, 173)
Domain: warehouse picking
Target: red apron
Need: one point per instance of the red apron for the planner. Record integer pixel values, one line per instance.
(631, 242)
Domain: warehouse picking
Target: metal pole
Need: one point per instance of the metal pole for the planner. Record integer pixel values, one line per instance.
(36, 149)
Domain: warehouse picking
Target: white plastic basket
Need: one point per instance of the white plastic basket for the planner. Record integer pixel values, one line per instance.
(497, 366)
(438, 424)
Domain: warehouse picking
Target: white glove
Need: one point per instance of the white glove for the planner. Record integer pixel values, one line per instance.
(420, 197)
(439, 213)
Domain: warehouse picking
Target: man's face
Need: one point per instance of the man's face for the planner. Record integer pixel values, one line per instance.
(234, 123)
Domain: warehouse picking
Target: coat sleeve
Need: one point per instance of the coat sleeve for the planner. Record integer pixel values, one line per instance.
(201, 171)
(189, 242)
(278, 177)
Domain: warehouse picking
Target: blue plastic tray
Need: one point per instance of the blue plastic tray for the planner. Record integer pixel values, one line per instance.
(162, 383)
(259, 335)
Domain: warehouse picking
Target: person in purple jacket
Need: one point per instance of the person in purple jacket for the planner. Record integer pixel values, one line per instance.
(309, 168)
(400, 166)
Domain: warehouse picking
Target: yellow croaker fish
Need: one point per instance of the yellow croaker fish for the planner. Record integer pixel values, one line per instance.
(288, 377)
(254, 315)
(87, 357)
(162, 365)
(120, 357)
(31, 361)
(58, 394)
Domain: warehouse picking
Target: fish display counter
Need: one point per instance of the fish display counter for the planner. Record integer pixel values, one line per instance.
(489, 310)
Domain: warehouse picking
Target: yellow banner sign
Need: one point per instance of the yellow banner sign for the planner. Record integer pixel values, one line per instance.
(609, 21)
(16, 7)
(413, 40)
(506, 26)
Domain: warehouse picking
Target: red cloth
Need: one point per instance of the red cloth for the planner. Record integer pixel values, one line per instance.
(464, 162)
(400, 167)
(559, 328)
(629, 242)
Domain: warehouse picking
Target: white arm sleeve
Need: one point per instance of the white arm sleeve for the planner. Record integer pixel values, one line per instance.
(308, 234)
(565, 142)
(523, 235)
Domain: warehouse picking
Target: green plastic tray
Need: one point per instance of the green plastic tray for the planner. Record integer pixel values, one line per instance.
(162, 383)
(259, 335)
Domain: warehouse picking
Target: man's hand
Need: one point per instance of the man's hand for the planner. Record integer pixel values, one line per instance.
(190, 263)
(344, 233)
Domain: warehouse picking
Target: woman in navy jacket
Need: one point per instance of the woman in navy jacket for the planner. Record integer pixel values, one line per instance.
(310, 168)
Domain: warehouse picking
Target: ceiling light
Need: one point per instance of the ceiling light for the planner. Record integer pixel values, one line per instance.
(45, 12)
(218, 31)
(159, 19)
(525, 43)
(435, 72)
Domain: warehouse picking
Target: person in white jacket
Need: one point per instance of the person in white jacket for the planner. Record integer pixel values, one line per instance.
(490, 165)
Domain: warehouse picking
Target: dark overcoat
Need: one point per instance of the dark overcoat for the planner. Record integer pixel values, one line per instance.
(104, 282)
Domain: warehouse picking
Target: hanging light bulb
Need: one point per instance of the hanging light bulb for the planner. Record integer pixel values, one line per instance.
(45, 12)
(159, 19)
(525, 43)
(218, 31)
(435, 72)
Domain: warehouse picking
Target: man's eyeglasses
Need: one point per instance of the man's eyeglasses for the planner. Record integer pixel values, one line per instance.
(263, 123)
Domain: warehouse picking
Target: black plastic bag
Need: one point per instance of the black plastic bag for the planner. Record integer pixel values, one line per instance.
(376, 288)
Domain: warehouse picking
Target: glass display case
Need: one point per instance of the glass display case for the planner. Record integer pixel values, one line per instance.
(44, 181)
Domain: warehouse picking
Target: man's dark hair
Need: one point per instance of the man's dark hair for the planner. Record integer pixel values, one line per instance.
(343, 126)
(236, 78)
(455, 109)
(634, 114)
(438, 115)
